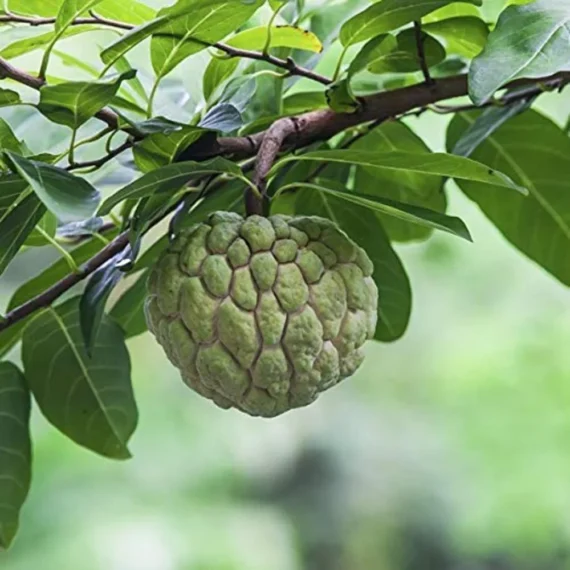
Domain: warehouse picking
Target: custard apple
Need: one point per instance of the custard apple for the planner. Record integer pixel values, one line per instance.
(262, 314)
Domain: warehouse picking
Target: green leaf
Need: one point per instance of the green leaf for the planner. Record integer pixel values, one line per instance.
(528, 41)
(69, 197)
(16, 225)
(130, 11)
(128, 311)
(90, 400)
(280, 36)
(9, 141)
(15, 449)
(217, 72)
(8, 98)
(71, 9)
(40, 41)
(12, 188)
(304, 101)
(536, 153)
(38, 284)
(400, 210)
(403, 55)
(465, 35)
(207, 21)
(160, 149)
(386, 16)
(75, 102)
(340, 97)
(486, 124)
(418, 190)
(223, 117)
(94, 297)
(433, 164)
(46, 226)
(389, 274)
(169, 178)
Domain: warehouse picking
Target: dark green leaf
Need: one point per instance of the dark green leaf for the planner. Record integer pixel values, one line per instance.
(128, 311)
(418, 190)
(464, 35)
(95, 295)
(88, 399)
(44, 230)
(389, 274)
(15, 449)
(11, 189)
(223, 117)
(486, 124)
(75, 102)
(9, 141)
(400, 210)
(536, 153)
(69, 197)
(160, 149)
(528, 41)
(403, 55)
(386, 16)
(207, 21)
(16, 225)
(433, 164)
(169, 178)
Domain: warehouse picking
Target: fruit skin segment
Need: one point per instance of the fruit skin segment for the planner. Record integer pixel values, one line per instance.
(262, 314)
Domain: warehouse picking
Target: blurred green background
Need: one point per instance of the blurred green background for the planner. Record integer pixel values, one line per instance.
(449, 449)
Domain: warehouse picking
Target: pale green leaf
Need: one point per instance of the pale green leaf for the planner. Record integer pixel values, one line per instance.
(279, 36)
(466, 35)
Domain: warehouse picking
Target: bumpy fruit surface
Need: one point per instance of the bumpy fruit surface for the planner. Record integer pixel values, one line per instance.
(262, 314)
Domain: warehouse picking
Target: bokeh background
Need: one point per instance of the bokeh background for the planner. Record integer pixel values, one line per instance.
(449, 449)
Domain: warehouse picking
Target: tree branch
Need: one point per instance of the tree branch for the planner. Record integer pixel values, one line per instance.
(97, 163)
(421, 53)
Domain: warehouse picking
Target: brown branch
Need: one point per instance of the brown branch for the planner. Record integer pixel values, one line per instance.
(269, 148)
(421, 53)
(47, 297)
(37, 21)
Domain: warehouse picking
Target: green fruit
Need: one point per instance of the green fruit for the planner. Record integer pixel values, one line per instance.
(262, 314)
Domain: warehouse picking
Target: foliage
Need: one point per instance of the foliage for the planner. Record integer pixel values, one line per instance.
(122, 148)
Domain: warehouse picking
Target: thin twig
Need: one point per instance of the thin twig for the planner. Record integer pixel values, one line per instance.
(421, 53)
(99, 162)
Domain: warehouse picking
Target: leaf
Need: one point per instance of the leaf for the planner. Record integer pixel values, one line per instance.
(486, 124)
(160, 149)
(217, 71)
(131, 11)
(128, 311)
(207, 21)
(340, 97)
(15, 449)
(39, 41)
(90, 400)
(400, 210)
(386, 16)
(35, 286)
(12, 188)
(280, 36)
(432, 164)
(95, 295)
(9, 141)
(169, 178)
(418, 190)
(403, 57)
(223, 117)
(69, 197)
(75, 102)
(465, 35)
(389, 274)
(536, 153)
(46, 226)
(71, 9)
(541, 50)
(16, 225)
(8, 98)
